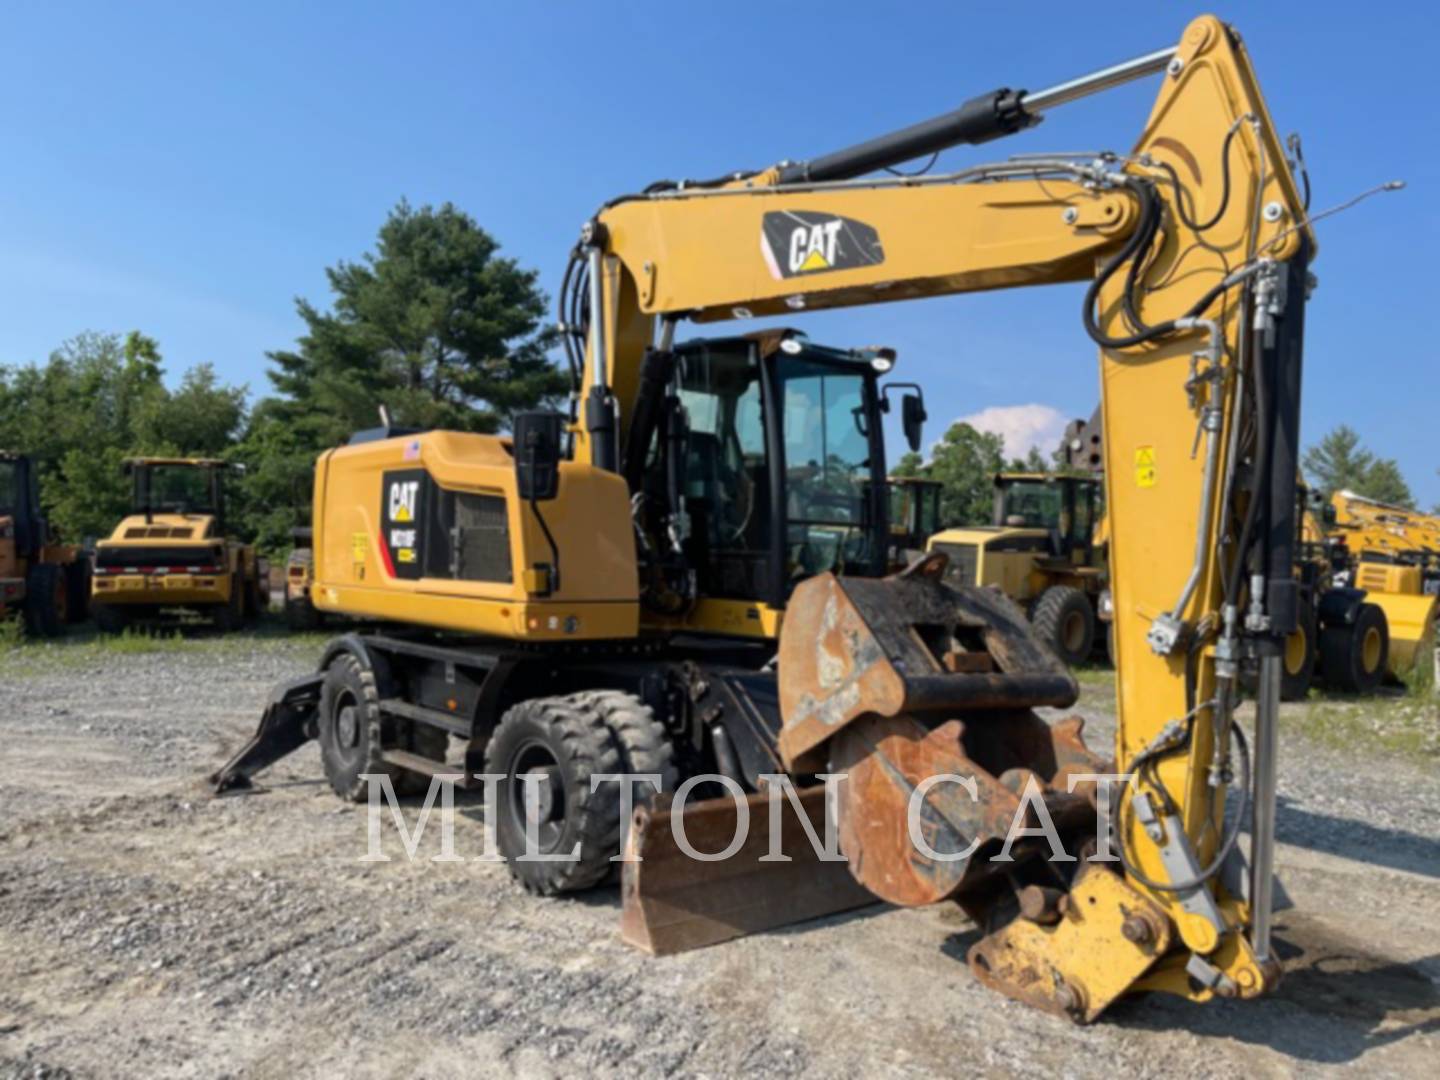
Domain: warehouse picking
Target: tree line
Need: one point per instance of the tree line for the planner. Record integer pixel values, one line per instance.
(441, 328)
(434, 323)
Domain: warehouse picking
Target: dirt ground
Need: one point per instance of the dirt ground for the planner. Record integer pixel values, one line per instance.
(147, 929)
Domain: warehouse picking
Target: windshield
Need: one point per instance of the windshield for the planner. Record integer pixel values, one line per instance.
(180, 489)
(1032, 504)
(9, 488)
(827, 466)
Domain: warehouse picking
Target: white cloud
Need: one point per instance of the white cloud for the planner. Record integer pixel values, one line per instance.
(1021, 426)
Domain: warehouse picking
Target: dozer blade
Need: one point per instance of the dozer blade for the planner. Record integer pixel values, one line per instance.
(287, 724)
(672, 901)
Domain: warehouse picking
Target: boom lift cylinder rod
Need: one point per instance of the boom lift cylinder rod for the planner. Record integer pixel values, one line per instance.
(981, 119)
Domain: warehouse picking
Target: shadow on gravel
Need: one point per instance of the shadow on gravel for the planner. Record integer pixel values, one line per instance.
(1357, 840)
(1336, 1003)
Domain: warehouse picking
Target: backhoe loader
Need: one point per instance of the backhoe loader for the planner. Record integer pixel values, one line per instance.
(172, 551)
(46, 581)
(684, 576)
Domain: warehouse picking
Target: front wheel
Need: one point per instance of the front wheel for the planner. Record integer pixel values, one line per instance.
(1298, 670)
(1354, 657)
(556, 831)
(1065, 621)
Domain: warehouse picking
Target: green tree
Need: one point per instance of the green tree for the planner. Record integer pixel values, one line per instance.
(910, 464)
(1339, 462)
(97, 400)
(965, 462)
(434, 324)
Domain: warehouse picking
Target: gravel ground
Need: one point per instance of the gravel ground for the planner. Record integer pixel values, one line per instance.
(147, 929)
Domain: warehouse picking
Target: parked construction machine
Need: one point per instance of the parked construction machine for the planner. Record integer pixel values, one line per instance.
(914, 516)
(40, 577)
(684, 577)
(1393, 554)
(1041, 551)
(173, 552)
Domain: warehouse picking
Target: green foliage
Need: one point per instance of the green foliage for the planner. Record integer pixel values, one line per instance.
(97, 400)
(434, 324)
(1338, 462)
(965, 462)
(910, 464)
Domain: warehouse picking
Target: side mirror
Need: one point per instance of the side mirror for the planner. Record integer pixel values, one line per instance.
(537, 454)
(912, 418)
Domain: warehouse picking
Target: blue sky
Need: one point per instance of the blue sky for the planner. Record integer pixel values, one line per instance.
(189, 169)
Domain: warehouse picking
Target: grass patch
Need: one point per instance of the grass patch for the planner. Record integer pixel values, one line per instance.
(83, 647)
(12, 633)
(1405, 724)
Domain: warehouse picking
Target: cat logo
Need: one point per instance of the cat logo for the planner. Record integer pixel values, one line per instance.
(799, 242)
(403, 495)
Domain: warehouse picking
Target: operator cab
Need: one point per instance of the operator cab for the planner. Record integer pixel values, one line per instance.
(188, 487)
(20, 503)
(773, 458)
(1064, 506)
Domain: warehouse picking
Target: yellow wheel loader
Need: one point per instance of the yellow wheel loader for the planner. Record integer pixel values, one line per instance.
(683, 576)
(43, 580)
(1393, 554)
(1041, 552)
(172, 553)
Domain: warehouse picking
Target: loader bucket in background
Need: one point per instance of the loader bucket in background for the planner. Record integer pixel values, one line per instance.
(672, 901)
(1411, 619)
(287, 724)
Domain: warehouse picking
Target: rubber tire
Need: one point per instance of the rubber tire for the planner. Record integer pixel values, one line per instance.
(348, 679)
(1342, 650)
(1058, 605)
(43, 616)
(349, 683)
(1296, 686)
(111, 618)
(301, 615)
(77, 580)
(580, 741)
(229, 617)
(642, 740)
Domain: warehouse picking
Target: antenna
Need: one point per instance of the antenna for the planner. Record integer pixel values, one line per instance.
(385, 417)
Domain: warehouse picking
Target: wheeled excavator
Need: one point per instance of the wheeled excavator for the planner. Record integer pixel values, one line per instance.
(685, 576)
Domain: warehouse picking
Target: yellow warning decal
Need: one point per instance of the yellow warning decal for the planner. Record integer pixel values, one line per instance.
(359, 545)
(1145, 466)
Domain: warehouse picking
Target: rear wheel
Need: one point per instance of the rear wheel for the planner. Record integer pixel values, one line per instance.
(47, 600)
(230, 616)
(77, 583)
(547, 750)
(1354, 657)
(1299, 662)
(112, 618)
(1065, 621)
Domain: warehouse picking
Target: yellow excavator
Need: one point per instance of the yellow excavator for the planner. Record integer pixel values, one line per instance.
(684, 576)
(1393, 554)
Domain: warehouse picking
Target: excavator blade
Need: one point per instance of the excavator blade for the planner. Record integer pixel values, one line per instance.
(673, 901)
